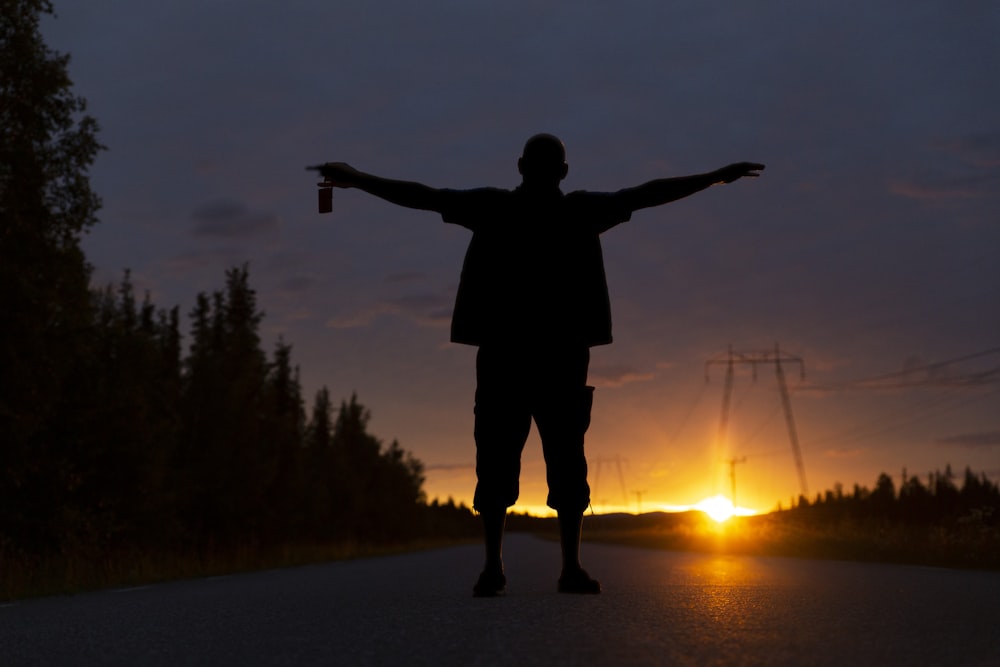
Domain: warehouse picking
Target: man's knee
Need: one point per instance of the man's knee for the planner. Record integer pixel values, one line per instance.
(566, 414)
(502, 424)
(562, 431)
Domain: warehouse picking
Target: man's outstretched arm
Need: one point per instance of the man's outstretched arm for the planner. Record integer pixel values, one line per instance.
(401, 193)
(665, 190)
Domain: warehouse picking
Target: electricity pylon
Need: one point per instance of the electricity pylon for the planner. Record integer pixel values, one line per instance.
(776, 358)
(621, 478)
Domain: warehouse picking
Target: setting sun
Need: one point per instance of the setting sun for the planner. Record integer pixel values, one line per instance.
(720, 509)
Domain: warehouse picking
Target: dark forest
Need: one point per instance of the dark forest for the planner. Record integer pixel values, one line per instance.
(118, 432)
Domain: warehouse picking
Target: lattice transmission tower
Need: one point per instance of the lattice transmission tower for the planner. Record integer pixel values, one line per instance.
(776, 358)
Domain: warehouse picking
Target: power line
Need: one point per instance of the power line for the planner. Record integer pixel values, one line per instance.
(884, 381)
(687, 415)
(915, 414)
(617, 460)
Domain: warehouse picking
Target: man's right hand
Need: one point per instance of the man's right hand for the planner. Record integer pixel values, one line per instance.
(739, 170)
(338, 174)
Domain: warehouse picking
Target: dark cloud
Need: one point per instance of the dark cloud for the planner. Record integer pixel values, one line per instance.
(229, 219)
(968, 185)
(978, 149)
(965, 167)
(616, 375)
(426, 309)
(981, 440)
(357, 319)
(930, 191)
(843, 453)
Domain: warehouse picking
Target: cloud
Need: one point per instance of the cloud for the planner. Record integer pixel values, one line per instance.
(425, 309)
(361, 318)
(842, 453)
(966, 167)
(980, 440)
(934, 191)
(617, 375)
(978, 150)
(228, 219)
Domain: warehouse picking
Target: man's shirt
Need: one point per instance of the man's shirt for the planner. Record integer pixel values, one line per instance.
(534, 271)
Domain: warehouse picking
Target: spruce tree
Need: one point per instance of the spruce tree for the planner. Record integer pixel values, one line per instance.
(320, 469)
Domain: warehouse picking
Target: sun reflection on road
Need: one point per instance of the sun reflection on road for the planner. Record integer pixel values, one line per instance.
(724, 592)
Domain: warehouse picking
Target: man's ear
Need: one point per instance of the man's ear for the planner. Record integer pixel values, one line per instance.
(520, 165)
(565, 170)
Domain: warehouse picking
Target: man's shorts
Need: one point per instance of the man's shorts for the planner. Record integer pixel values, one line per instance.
(548, 385)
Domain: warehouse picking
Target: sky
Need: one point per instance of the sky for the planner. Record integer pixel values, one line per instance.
(865, 255)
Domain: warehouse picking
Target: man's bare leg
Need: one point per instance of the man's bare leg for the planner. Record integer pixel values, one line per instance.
(492, 582)
(574, 578)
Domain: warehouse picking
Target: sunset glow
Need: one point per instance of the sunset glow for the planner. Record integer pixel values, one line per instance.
(721, 509)
(881, 296)
(718, 508)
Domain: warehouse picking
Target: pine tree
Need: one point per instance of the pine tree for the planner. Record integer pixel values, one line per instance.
(282, 438)
(321, 473)
(129, 428)
(227, 456)
(355, 457)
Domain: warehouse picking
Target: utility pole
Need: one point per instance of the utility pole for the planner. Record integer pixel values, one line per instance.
(732, 476)
(775, 358)
(638, 500)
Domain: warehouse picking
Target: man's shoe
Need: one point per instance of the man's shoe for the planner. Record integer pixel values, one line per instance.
(490, 585)
(578, 581)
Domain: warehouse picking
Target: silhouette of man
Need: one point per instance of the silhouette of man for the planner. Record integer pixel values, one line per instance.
(533, 298)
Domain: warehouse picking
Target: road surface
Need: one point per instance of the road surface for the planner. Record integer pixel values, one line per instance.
(658, 608)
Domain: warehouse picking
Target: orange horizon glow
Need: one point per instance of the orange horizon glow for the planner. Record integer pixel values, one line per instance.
(719, 508)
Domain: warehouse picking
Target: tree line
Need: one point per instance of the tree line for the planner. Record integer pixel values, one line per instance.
(115, 431)
(941, 500)
(152, 447)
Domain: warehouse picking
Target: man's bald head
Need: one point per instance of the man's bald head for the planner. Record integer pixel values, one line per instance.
(543, 161)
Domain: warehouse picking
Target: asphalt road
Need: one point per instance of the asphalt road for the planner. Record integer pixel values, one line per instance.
(658, 608)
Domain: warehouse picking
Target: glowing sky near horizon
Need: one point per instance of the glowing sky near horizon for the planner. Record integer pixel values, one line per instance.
(868, 247)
